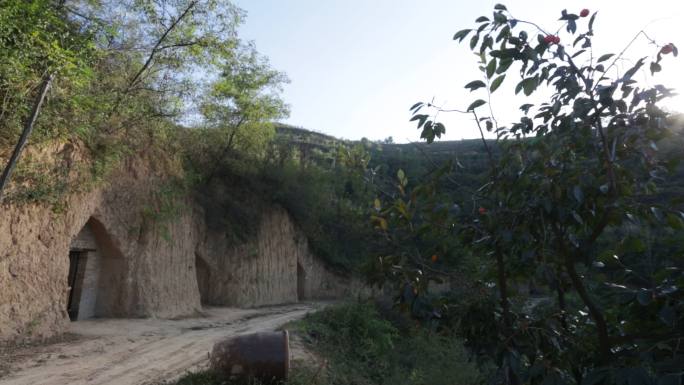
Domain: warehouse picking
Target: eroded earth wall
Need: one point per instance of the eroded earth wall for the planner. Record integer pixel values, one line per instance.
(141, 272)
(275, 267)
(143, 267)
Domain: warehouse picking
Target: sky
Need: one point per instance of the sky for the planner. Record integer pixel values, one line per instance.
(356, 66)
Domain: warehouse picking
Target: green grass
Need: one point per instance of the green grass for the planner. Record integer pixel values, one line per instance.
(363, 347)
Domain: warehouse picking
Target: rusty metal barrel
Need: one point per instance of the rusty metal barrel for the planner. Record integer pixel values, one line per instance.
(264, 356)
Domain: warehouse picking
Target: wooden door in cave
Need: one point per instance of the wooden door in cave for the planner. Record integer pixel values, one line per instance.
(76, 275)
(203, 282)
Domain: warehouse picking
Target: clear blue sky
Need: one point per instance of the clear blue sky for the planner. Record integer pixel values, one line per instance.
(356, 66)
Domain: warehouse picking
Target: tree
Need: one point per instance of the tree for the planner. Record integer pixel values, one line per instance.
(241, 106)
(28, 128)
(571, 188)
(126, 72)
(37, 42)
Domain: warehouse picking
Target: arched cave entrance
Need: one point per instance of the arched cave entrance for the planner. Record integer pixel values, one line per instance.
(84, 274)
(203, 275)
(301, 282)
(96, 275)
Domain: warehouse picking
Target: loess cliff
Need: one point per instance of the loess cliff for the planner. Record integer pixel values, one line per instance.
(100, 255)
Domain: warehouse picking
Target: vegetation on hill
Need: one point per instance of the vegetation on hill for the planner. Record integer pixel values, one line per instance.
(322, 186)
(172, 83)
(143, 78)
(367, 343)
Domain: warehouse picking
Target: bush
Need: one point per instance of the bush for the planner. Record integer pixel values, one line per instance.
(362, 347)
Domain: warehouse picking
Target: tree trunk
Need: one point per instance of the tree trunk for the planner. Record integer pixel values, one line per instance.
(224, 152)
(28, 128)
(503, 288)
(594, 311)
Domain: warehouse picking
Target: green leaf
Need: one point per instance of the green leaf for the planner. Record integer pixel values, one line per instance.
(401, 175)
(655, 67)
(380, 222)
(577, 217)
(529, 85)
(481, 19)
(421, 119)
(518, 87)
(491, 67)
(475, 104)
(503, 34)
(675, 221)
(633, 245)
(657, 213)
(630, 72)
(413, 107)
(577, 192)
(605, 57)
(497, 82)
(500, 7)
(403, 210)
(428, 135)
(526, 107)
(473, 41)
(460, 35)
(475, 84)
(578, 53)
(644, 297)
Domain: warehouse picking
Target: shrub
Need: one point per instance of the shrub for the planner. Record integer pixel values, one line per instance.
(362, 347)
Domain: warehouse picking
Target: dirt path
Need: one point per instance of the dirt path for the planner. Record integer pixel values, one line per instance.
(140, 351)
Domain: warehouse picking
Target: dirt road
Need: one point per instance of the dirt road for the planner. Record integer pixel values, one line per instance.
(140, 351)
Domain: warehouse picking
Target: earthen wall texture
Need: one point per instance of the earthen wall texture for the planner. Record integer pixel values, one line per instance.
(141, 267)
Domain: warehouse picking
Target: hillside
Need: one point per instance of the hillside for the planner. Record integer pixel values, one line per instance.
(467, 159)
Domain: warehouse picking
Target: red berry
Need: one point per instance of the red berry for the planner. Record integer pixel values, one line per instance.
(667, 49)
(482, 210)
(551, 39)
(584, 13)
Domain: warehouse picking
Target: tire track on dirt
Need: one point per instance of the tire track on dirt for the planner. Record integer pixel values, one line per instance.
(135, 351)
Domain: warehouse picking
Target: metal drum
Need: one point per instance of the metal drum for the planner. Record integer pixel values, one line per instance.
(264, 356)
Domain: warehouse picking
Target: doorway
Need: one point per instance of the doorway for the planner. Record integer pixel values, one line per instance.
(85, 265)
(301, 283)
(77, 264)
(203, 276)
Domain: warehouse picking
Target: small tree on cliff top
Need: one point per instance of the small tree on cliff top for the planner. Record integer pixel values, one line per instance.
(571, 187)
